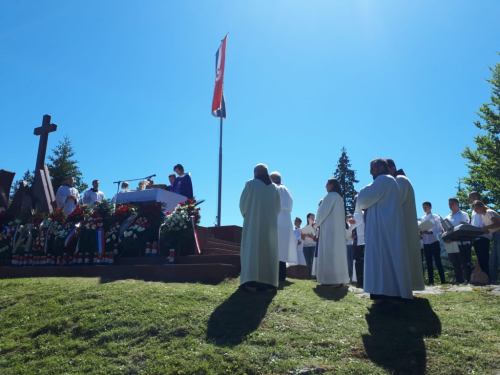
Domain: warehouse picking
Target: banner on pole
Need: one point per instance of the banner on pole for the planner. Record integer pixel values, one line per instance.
(218, 102)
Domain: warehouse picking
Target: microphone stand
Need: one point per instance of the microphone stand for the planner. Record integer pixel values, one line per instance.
(135, 179)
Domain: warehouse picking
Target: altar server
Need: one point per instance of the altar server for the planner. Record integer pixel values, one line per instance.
(299, 242)
(67, 197)
(286, 239)
(182, 184)
(260, 205)
(410, 225)
(93, 196)
(331, 263)
(387, 267)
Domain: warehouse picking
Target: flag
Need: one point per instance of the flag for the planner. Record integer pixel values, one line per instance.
(218, 102)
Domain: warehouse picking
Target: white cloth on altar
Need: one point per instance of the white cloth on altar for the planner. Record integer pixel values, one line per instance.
(260, 205)
(286, 242)
(168, 198)
(411, 232)
(300, 248)
(62, 200)
(387, 267)
(90, 197)
(331, 262)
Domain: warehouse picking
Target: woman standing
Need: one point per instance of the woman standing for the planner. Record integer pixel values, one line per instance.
(331, 267)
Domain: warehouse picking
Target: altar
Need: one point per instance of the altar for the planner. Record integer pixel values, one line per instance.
(171, 200)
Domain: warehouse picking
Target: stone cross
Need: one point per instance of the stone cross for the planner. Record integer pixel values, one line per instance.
(43, 193)
(43, 131)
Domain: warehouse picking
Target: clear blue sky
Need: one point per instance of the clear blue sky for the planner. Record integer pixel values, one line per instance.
(131, 84)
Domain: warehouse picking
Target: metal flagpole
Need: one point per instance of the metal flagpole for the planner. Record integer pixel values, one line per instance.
(220, 175)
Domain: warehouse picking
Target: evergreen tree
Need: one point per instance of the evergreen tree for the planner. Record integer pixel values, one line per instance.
(61, 165)
(484, 161)
(347, 179)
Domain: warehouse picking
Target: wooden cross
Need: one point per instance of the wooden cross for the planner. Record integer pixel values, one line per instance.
(43, 132)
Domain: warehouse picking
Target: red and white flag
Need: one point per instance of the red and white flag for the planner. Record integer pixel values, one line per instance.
(218, 102)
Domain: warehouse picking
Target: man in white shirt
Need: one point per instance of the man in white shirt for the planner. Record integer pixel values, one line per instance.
(432, 247)
(93, 196)
(481, 243)
(286, 239)
(67, 196)
(461, 259)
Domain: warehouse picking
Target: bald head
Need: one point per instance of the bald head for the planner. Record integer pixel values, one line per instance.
(275, 177)
(260, 169)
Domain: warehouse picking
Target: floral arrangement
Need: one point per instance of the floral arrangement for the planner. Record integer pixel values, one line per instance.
(180, 217)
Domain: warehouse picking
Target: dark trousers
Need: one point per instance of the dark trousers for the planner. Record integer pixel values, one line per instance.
(359, 257)
(282, 271)
(482, 249)
(431, 251)
(309, 256)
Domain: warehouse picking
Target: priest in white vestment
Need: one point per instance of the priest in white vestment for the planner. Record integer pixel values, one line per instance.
(331, 262)
(260, 205)
(93, 196)
(67, 197)
(286, 238)
(411, 225)
(387, 268)
(125, 189)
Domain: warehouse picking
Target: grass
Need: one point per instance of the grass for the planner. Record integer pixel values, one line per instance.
(91, 326)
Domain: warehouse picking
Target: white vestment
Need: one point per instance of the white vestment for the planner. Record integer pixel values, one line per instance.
(62, 200)
(300, 248)
(387, 267)
(331, 263)
(286, 238)
(90, 196)
(260, 205)
(411, 232)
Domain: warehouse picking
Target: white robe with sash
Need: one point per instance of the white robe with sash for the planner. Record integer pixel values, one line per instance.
(387, 267)
(331, 263)
(411, 232)
(286, 238)
(260, 205)
(62, 200)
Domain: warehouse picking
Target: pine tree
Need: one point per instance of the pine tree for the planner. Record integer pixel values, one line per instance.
(484, 161)
(347, 179)
(61, 165)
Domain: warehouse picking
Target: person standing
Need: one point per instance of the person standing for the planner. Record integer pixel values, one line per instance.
(432, 247)
(491, 221)
(171, 179)
(387, 267)
(459, 252)
(286, 241)
(299, 242)
(67, 197)
(411, 225)
(481, 243)
(93, 195)
(349, 245)
(357, 224)
(182, 184)
(260, 205)
(125, 189)
(331, 262)
(309, 234)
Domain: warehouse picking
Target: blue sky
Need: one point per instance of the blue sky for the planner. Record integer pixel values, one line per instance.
(131, 84)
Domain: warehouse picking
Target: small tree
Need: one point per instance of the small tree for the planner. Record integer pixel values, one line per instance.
(61, 165)
(347, 179)
(484, 161)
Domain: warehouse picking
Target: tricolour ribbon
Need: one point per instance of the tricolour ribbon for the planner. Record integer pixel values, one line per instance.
(99, 240)
(45, 245)
(193, 224)
(71, 234)
(125, 226)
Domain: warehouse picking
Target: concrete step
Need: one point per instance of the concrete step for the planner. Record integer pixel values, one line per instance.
(204, 273)
(232, 259)
(212, 251)
(215, 243)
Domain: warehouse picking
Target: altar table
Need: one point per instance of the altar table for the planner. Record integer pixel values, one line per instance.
(171, 200)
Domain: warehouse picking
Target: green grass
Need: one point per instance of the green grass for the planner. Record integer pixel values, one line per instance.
(90, 326)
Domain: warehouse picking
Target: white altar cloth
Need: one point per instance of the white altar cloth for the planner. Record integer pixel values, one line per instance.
(152, 195)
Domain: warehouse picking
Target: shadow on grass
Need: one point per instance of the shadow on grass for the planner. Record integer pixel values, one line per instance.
(237, 317)
(332, 294)
(107, 280)
(283, 284)
(396, 340)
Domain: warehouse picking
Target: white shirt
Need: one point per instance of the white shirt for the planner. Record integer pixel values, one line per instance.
(458, 218)
(90, 196)
(477, 221)
(62, 195)
(308, 242)
(487, 219)
(360, 227)
(436, 229)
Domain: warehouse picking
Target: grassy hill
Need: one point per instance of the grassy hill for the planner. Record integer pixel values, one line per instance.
(92, 326)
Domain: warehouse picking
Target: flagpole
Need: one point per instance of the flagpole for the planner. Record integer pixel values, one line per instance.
(220, 175)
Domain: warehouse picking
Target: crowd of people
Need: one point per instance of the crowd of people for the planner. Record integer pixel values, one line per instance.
(68, 197)
(380, 247)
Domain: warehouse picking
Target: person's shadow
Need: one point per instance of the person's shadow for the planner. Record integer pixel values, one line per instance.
(332, 294)
(396, 340)
(237, 317)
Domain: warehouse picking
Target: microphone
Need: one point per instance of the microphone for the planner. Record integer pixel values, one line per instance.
(153, 175)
